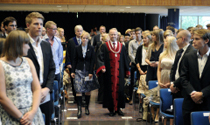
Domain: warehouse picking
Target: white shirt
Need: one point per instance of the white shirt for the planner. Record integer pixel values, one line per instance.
(113, 44)
(84, 50)
(39, 55)
(177, 69)
(78, 40)
(202, 62)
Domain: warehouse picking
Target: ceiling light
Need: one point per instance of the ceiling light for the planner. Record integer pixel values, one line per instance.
(58, 6)
(60, 9)
(121, 9)
(128, 7)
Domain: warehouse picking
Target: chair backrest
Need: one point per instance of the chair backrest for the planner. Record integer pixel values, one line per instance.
(200, 118)
(166, 99)
(152, 84)
(178, 118)
(55, 88)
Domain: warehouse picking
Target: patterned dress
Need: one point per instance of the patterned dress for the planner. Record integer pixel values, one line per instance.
(18, 81)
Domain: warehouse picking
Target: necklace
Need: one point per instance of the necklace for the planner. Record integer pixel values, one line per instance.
(113, 50)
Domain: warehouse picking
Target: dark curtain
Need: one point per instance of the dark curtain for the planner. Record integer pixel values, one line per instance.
(163, 22)
(121, 21)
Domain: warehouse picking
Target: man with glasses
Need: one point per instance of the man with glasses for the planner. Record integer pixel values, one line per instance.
(183, 39)
(57, 48)
(10, 24)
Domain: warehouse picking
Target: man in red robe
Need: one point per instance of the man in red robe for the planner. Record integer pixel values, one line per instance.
(112, 61)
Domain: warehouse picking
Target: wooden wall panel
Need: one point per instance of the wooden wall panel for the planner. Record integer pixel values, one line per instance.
(115, 2)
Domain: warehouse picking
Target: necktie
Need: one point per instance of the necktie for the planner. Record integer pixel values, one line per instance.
(114, 45)
(179, 53)
(79, 41)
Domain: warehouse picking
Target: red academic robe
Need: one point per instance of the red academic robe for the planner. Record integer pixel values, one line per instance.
(116, 64)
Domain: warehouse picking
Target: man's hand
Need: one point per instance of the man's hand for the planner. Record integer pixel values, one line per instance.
(130, 63)
(73, 75)
(103, 70)
(44, 93)
(173, 89)
(69, 66)
(197, 97)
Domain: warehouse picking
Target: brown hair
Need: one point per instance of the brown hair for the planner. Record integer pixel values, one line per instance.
(32, 15)
(159, 36)
(49, 23)
(13, 46)
(204, 34)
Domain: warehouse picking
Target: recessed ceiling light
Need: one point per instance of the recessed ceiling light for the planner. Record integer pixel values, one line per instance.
(127, 7)
(58, 6)
(60, 9)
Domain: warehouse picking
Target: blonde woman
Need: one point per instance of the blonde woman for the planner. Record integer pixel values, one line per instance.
(166, 61)
(82, 69)
(167, 33)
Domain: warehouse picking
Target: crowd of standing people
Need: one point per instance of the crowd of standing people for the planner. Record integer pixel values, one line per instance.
(32, 59)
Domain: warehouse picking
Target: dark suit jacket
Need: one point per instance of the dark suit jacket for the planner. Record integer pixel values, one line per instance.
(49, 65)
(79, 61)
(177, 82)
(191, 81)
(96, 40)
(72, 43)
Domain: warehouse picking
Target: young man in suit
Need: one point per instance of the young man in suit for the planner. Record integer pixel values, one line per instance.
(41, 55)
(195, 76)
(72, 43)
(10, 24)
(183, 39)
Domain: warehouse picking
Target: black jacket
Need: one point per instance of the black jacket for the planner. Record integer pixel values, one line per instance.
(49, 65)
(177, 82)
(191, 81)
(79, 61)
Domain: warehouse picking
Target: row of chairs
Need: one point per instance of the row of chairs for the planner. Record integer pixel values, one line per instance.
(197, 118)
(58, 100)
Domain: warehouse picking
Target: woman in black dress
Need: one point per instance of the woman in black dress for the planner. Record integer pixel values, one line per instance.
(82, 71)
(154, 51)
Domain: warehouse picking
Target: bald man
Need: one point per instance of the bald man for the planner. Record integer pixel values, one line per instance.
(183, 39)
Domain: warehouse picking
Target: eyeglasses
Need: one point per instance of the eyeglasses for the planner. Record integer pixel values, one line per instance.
(13, 25)
(178, 38)
(53, 28)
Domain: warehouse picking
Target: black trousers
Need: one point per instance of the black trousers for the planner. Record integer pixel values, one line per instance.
(133, 69)
(47, 109)
(192, 108)
(73, 90)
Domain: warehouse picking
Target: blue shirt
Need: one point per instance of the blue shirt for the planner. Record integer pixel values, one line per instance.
(57, 51)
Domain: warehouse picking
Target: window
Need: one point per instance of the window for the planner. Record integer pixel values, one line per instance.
(192, 21)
